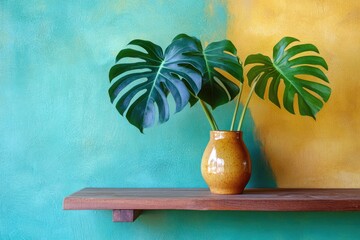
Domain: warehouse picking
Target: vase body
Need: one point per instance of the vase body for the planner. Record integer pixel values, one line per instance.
(226, 165)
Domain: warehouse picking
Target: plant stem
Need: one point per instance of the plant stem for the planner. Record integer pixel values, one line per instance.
(247, 103)
(236, 109)
(209, 116)
(208, 113)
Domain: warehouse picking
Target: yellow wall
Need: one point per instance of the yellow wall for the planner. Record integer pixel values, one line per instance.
(303, 152)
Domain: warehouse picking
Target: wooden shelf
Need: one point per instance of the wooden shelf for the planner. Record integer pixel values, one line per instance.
(127, 203)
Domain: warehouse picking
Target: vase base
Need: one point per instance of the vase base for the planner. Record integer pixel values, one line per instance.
(223, 191)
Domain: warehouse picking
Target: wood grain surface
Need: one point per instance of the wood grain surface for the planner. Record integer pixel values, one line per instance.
(201, 199)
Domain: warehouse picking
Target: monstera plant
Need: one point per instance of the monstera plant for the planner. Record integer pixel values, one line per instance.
(144, 76)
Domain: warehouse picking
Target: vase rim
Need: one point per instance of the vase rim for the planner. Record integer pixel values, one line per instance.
(226, 131)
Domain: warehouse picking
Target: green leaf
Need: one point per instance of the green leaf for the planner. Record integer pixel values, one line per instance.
(144, 75)
(218, 89)
(301, 75)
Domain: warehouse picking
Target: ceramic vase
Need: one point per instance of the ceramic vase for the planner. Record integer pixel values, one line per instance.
(226, 165)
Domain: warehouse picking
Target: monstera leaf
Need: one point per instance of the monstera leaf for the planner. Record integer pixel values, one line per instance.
(216, 88)
(144, 82)
(300, 72)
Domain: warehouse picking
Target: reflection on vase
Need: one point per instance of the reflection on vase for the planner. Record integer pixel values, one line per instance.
(215, 164)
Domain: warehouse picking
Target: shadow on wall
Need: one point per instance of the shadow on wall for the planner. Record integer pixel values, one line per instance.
(262, 175)
(230, 225)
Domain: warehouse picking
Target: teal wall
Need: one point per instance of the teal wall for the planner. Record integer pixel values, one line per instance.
(59, 132)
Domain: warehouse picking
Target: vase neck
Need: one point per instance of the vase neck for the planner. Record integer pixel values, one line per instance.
(216, 135)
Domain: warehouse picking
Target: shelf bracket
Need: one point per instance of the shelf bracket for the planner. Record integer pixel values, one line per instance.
(125, 215)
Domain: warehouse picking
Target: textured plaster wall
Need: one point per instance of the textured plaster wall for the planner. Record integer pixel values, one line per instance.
(59, 133)
(303, 152)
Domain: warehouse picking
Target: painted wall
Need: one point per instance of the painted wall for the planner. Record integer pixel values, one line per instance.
(59, 132)
(303, 152)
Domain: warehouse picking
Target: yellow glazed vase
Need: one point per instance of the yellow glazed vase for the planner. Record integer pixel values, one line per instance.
(226, 165)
